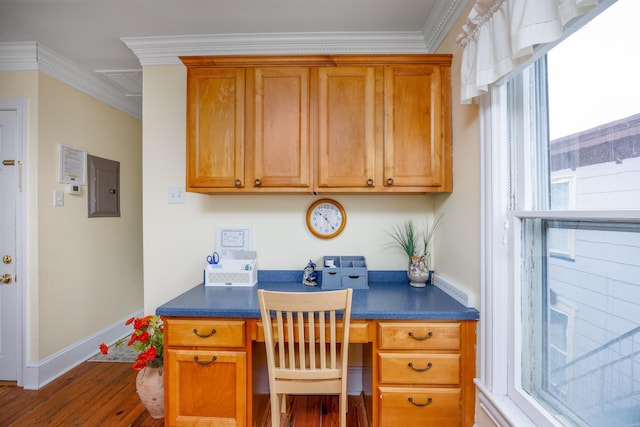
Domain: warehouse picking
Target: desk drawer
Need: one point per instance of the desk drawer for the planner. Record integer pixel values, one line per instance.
(418, 336)
(419, 368)
(424, 407)
(205, 332)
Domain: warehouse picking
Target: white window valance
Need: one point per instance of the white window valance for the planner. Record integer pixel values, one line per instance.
(499, 35)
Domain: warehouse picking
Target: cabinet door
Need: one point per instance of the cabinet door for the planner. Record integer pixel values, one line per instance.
(280, 116)
(347, 127)
(206, 387)
(417, 135)
(215, 128)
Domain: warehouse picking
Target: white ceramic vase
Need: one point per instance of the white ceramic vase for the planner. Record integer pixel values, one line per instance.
(418, 272)
(150, 388)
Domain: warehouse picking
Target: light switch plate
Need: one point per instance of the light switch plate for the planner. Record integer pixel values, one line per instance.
(177, 195)
(58, 198)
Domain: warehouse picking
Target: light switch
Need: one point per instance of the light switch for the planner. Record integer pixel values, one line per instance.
(58, 198)
(177, 195)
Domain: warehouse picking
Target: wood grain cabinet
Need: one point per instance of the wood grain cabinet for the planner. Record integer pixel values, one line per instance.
(215, 128)
(205, 372)
(419, 373)
(248, 129)
(417, 129)
(424, 374)
(347, 135)
(323, 124)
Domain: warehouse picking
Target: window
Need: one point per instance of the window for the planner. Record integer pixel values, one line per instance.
(573, 124)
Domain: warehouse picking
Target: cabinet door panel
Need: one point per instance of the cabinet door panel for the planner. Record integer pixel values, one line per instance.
(415, 126)
(215, 127)
(207, 387)
(346, 127)
(281, 126)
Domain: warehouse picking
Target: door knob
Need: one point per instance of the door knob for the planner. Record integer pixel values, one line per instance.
(7, 259)
(6, 278)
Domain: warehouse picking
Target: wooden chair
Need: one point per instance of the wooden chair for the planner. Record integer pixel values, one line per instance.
(306, 346)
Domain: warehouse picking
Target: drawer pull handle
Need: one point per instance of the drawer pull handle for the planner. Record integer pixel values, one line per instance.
(429, 400)
(195, 331)
(429, 366)
(213, 359)
(429, 335)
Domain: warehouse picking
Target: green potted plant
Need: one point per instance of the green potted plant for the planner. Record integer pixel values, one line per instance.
(416, 243)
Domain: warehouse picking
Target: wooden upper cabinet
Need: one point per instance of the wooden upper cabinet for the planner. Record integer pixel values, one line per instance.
(347, 136)
(323, 123)
(417, 134)
(279, 147)
(215, 128)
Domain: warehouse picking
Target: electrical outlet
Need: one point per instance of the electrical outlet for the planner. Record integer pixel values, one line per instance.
(177, 195)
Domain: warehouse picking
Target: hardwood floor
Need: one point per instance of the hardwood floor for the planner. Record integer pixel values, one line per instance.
(103, 394)
(92, 394)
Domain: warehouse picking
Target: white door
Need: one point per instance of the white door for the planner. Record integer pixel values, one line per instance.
(9, 322)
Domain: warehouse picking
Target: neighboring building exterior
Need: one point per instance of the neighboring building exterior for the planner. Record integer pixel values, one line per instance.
(589, 349)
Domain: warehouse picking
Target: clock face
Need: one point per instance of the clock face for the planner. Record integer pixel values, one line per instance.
(326, 218)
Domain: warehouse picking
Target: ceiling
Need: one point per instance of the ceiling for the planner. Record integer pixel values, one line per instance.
(112, 39)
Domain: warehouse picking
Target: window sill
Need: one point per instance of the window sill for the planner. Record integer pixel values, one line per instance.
(500, 408)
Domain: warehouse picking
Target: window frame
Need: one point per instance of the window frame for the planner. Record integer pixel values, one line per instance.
(500, 392)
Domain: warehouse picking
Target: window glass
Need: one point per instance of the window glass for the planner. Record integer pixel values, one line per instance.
(580, 263)
(582, 323)
(594, 114)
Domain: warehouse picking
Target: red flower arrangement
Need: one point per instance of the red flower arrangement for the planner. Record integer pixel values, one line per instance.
(147, 339)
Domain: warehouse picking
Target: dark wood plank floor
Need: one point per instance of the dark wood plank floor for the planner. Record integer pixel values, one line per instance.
(103, 394)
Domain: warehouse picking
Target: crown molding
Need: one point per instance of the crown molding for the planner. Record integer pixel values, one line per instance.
(28, 56)
(440, 21)
(167, 50)
(21, 56)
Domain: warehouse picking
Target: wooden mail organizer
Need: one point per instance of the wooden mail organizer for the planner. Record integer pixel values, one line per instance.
(418, 363)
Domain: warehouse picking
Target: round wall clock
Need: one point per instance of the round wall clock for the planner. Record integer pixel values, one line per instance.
(326, 218)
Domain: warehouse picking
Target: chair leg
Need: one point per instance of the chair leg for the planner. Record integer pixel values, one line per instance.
(275, 410)
(283, 403)
(343, 406)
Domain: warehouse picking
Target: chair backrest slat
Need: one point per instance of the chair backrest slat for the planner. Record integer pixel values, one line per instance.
(306, 337)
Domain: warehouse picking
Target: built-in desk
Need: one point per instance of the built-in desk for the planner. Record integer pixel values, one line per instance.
(418, 354)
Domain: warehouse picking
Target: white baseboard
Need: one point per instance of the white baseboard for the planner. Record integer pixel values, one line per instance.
(38, 374)
(455, 292)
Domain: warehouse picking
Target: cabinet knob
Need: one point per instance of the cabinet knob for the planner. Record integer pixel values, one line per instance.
(257, 182)
(238, 183)
(370, 182)
(389, 181)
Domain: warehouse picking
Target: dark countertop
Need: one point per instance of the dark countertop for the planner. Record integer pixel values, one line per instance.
(389, 297)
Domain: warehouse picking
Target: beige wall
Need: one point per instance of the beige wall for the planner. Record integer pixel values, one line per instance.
(177, 237)
(83, 274)
(458, 248)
